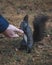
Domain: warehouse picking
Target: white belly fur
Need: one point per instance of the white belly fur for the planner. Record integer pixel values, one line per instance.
(25, 37)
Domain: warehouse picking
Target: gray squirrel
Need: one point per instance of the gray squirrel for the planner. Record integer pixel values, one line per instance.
(37, 35)
(27, 41)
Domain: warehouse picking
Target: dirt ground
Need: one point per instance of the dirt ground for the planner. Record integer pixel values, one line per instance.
(14, 11)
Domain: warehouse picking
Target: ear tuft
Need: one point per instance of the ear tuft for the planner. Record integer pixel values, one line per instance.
(26, 18)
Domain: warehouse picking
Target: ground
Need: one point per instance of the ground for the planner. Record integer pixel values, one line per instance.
(14, 11)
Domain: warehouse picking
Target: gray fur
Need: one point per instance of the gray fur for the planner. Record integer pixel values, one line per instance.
(27, 41)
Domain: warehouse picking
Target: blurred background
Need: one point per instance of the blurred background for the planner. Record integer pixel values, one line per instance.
(14, 11)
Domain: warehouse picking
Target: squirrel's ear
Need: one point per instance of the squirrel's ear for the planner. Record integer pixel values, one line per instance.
(26, 18)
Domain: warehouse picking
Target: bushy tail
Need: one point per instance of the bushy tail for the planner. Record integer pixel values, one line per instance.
(39, 27)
